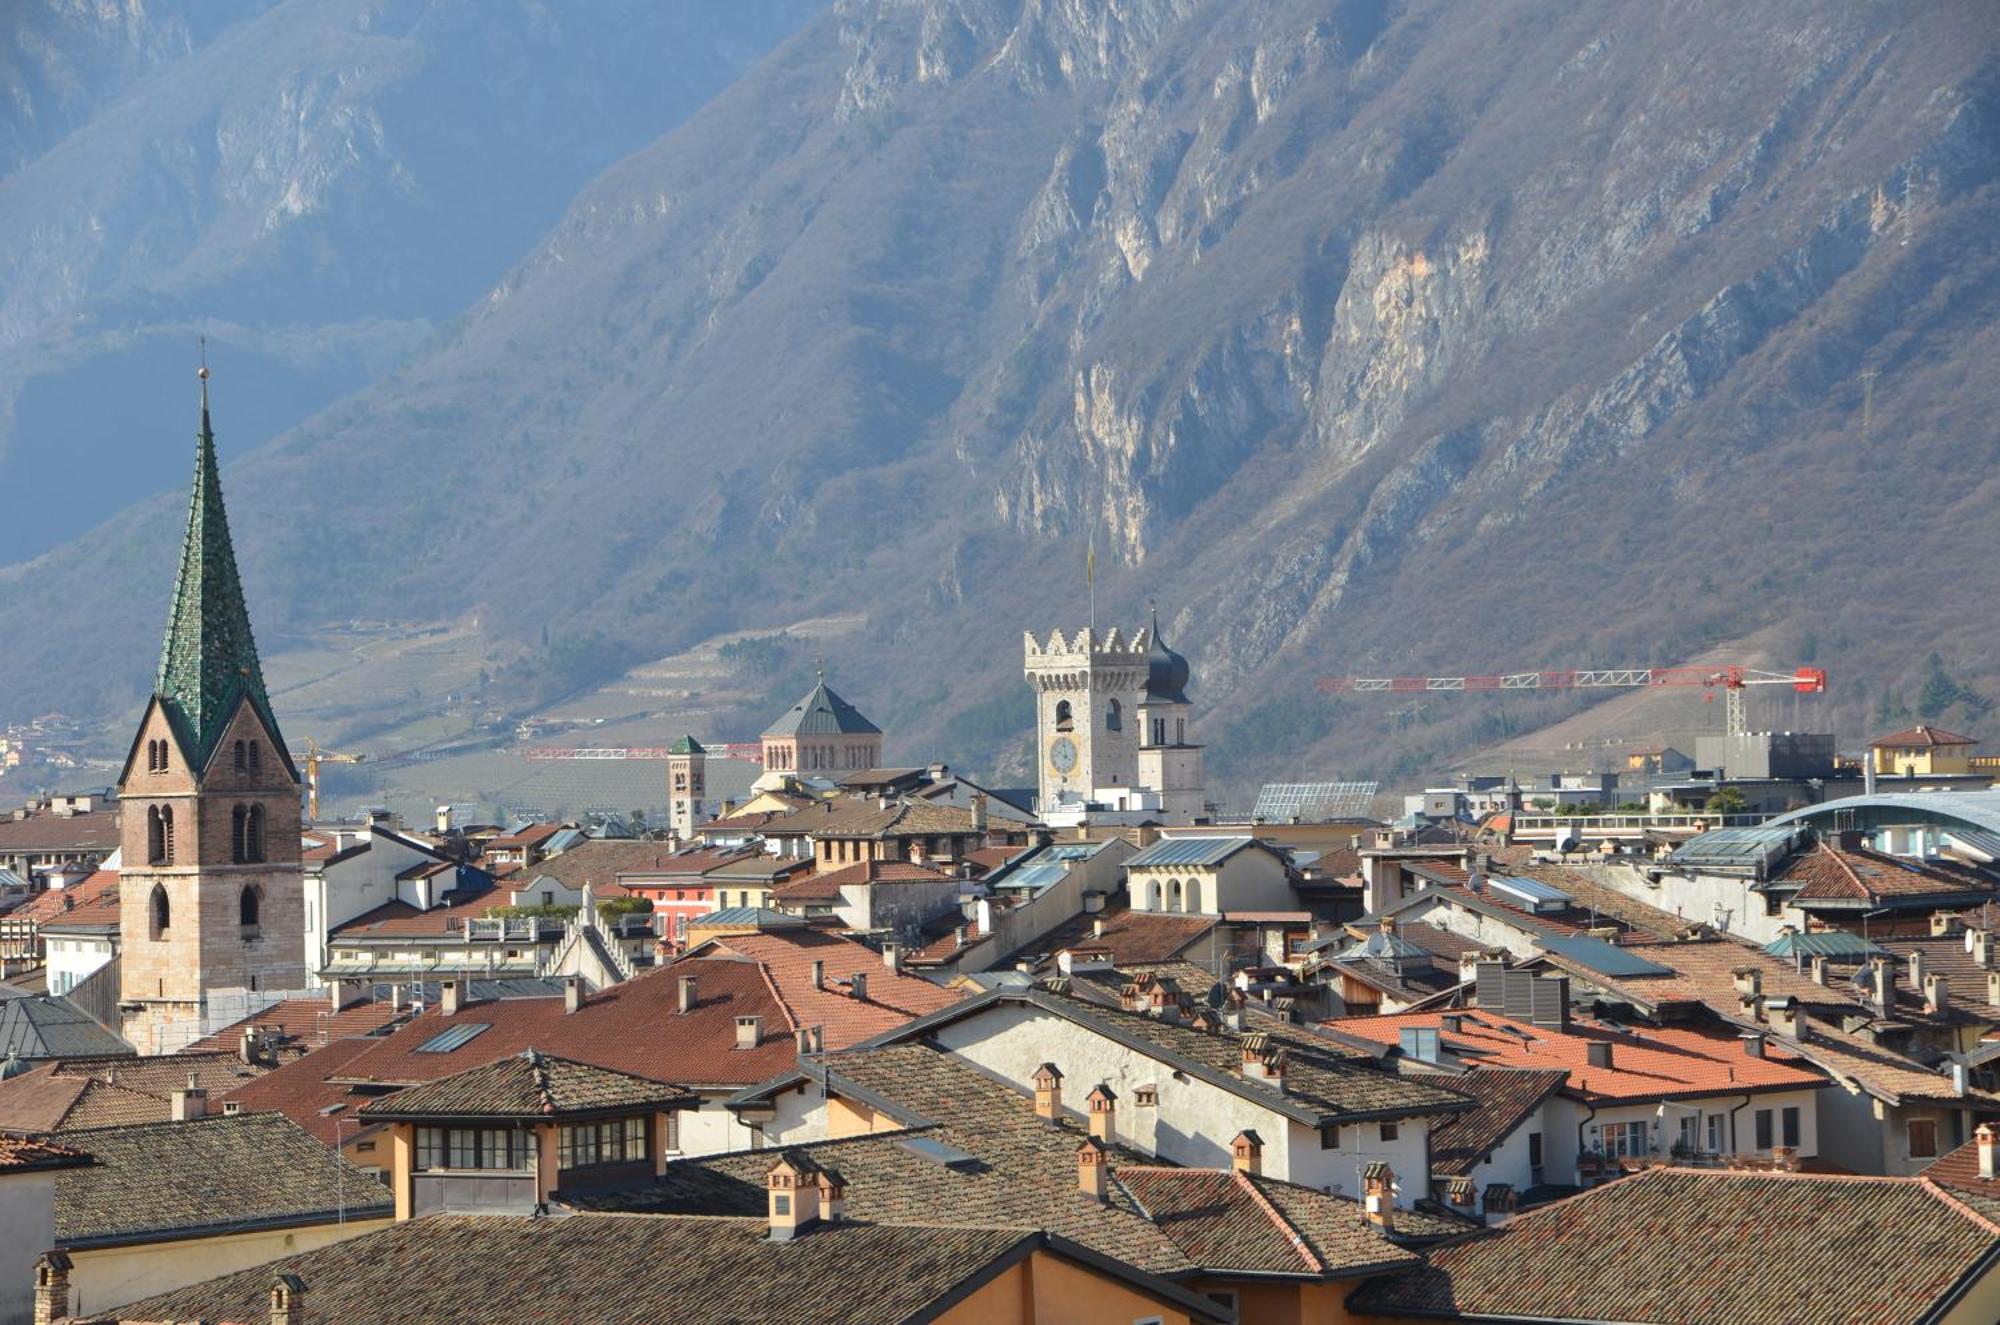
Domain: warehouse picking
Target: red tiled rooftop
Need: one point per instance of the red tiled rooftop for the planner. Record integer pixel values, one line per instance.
(1921, 735)
(306, 1021)
(1651, 1064)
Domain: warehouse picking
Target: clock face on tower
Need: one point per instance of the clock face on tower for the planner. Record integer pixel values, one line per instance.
(1062, 755)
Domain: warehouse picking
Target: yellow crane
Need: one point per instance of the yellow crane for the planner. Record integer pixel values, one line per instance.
(315, 756)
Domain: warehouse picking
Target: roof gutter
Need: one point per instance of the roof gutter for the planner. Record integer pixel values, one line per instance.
(143, 1237)
(1975, 1275)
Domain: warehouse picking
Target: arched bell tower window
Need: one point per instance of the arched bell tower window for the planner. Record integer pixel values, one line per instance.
(1064, 720)
(248, 905)
(159, 915)
(242, 757)
(246, 834)
(1114, 717)
(253, 757)
(159, 835)
(156, 756)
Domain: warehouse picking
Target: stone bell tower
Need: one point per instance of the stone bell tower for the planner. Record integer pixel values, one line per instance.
(1087, 693)
(210, 894)
(687, 789)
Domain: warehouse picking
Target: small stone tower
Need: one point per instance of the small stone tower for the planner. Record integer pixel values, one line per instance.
(210, 894)
(687, 786)
(1168, 763)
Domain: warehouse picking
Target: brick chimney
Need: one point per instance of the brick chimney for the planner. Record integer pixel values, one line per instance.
(1785, 1159)
(1937, 993)
(51, 1287)
(1787, 1017)
(288, 1304)
(1989, 1142)
(1092, 1169)
(1500, 1200)
(1166, 1003)
(451, 997)
(572, 993)
(1378, 1184)
(1048, 1092)
(1462, 1194)
(1102, 1104)
(690, 997)
(749, 1032)
(1131, 997)
(189, 1102)
(1749, 981)
(1261, 1062)
(832, 1195)
(792, 1186)
(1246, 1152)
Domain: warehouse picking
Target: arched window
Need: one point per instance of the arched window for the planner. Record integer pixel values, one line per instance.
(158, 912)
(1159, 731)
(1157, 894)
(254, 839)
(247, 904)
(159, 835)
(253, 756)
(1114, 718)
(1175, 894)
(1064, 722)
(239, 834)
(242, 757)
(1193, 895)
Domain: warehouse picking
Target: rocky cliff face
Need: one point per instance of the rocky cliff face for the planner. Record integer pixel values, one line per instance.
(1367, 335)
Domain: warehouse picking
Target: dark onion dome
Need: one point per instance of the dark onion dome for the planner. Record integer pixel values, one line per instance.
(1166, 671)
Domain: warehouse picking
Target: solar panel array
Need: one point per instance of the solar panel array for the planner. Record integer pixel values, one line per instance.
(1279, 802)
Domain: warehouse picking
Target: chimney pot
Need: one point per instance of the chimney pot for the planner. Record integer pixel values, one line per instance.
(892, 955)
(1048, 1092)
(1979, 942)
(1937, 993)
(1378, 1182)
(858, 986)
(1989, 1143)
(51, 1287)
(1598, 1053)
(189, 1102)
(819, 975)
(749, 1032)
(1753, 1043)
(689, 997)
(572, 993)
(792, 1191)
(1785, 1159)
(1091, 1163)
(451, 997)
(288, 1293)
(1103, 1108)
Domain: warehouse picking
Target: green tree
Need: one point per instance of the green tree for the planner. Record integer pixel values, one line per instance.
(1940, 692)
(1727, 800)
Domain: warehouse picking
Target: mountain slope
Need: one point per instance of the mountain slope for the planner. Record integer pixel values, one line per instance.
(315, 183)
(1368, 336)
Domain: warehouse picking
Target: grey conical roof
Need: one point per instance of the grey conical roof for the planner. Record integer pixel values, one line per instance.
(822, 713)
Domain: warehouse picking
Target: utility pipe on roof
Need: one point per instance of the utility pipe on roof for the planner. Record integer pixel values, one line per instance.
(1734, 1148)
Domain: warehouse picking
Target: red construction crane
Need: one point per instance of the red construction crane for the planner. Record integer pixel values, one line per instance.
(1729, 679)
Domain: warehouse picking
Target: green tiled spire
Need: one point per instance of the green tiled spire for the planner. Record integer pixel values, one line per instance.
(209, 660)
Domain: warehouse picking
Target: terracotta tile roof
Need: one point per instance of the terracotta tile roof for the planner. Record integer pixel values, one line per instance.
(1228, 1222)
(210, 1175)
(66, 1094)
(1685, 1247)
(472, 1270)
(303, 1091)
(1507, 1098)
(748, 823)
(864, 818)
(814, 888)
(26, 1155)
(602, 860)
(988, 859)
(401, 918)
(1015, 1170)
(1959, 1171)
(684, 863)
(637, 1026)
(883, 871)
(1700, 977)
(787, 958)
(1922, 735)
(955, 935)
(299, 1024)
(528, 1085)
(1829, 873)
(1647, 1063)
(52, 903)
(1134, 938)
(531, 836)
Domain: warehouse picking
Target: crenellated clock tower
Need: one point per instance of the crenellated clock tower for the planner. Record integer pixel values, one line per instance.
(210, 893)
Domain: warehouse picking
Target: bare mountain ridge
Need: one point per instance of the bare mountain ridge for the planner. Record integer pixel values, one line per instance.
(1370, 337)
